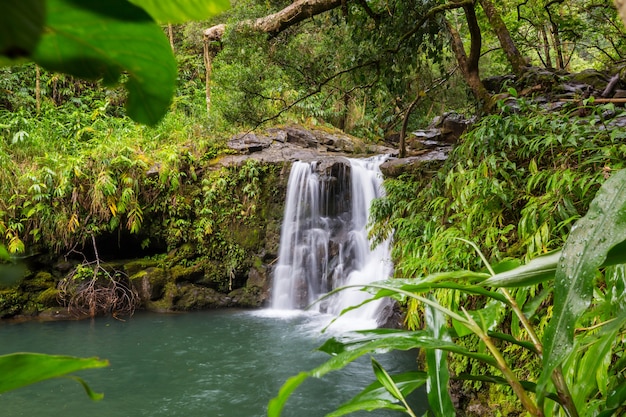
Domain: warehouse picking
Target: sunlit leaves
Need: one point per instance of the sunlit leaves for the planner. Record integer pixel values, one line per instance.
(178, 11)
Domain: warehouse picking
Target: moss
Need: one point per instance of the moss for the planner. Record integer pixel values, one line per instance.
(40, 282)
(150, 283)
(11, 303)
(194, 297)
(133, 267)
(180, 273)
(48, 298)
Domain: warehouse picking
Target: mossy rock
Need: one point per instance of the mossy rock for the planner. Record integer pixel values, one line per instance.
(150, 283)
(11, 303)
(180, 273)
(250, 297)
(40, 282)
(195, 297)
(48, 298)
(249, 237)
(133, 267)
(215, 276)
(594, 78)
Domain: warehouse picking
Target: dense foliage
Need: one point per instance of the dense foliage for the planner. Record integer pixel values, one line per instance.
(515, 185)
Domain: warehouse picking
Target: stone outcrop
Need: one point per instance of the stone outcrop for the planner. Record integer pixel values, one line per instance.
(296, 143)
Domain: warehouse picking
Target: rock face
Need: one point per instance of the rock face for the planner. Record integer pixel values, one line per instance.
(293, 143)
(428, 148)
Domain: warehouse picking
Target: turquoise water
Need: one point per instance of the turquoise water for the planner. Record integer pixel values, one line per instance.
(214, 363)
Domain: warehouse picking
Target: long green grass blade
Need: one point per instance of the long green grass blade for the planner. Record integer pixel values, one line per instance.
(345, 352)
(438, 374)
(538, 270)
(375, 396)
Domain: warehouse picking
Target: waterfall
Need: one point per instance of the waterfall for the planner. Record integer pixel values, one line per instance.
(324, 243)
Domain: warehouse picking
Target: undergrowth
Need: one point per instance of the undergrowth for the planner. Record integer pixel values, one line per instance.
(515, 183)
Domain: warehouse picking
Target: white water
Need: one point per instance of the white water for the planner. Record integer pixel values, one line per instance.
(324, 242)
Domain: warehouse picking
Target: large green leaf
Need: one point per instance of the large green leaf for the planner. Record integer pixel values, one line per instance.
(21, 25)
(105, 38)
(602, 228)
(20, 369)
(178, 11)
(438, 374)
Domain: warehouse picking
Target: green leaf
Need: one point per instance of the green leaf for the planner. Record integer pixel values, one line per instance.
(365, 405)
(617, 396)
(276, 404)
(586, 248)
(179, 11)
(96, 396)
(543, 268)
(21, 369)
(438, 374)
(383, 377)
(375, 396)
(4, 253)
(105, 38)
(21, 25)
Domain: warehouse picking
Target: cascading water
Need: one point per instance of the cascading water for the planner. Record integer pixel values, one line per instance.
(324, 244)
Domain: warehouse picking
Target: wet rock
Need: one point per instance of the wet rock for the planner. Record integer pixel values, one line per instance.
(194, 297)
(256, 292)
(149, 284)
(425, 164)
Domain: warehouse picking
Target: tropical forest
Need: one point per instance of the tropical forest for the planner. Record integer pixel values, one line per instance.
(313, 208)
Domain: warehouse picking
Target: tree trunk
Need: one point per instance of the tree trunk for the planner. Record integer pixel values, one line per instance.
(170, 34)
(208, 67)
(513, 55)
(38, 88)
(546, 47)
(469, 65)
(405, 123)
(558, 47)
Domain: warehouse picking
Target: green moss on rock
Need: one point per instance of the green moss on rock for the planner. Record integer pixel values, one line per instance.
(48, 297)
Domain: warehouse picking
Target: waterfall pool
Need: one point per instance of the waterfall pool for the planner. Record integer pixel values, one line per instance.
(211, 363)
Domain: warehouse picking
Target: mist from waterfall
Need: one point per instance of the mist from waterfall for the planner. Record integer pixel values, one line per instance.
(324, 243)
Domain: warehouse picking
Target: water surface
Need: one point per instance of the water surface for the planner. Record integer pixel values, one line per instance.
(213, 363)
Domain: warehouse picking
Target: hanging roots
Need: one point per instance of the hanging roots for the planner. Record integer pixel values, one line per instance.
(91, 290)
(101, 294)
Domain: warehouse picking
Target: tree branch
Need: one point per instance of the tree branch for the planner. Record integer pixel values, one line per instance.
(275, 23)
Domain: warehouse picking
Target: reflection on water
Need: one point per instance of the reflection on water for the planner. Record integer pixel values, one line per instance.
(219, 363)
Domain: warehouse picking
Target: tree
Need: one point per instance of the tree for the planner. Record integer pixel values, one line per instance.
(384, 44)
